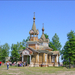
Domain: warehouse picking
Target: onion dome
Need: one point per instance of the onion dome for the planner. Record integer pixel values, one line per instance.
(42, 29)
(43, 38)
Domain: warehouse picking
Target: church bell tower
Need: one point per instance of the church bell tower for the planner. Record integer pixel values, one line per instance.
(34, 32)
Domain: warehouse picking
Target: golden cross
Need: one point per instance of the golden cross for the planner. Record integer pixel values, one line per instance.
(43, 25)
(34, 13)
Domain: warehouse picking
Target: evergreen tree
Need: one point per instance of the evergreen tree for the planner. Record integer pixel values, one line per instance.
(56, 43)
(65, 56)
(52, 46)
(69, 49)
(71, 38)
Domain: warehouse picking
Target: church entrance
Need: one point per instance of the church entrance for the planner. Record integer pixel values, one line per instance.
(27, 59)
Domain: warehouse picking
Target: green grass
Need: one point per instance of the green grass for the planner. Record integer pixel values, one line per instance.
(32, 70)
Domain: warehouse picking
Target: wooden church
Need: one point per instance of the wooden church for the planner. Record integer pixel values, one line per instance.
(37, 52)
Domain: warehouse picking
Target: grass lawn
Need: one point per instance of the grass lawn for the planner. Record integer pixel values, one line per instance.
(36, 71)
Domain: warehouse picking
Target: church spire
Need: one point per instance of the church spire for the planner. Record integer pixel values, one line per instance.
(34, 17)
(43, 36)
(34, 26)
(43, 29)
(34, 31)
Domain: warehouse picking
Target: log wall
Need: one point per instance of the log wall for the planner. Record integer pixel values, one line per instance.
(32, 46)
(33, 38)
(40, 58)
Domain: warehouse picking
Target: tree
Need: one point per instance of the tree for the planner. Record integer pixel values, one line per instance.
(68, 51)
(52, 46)
(20, 46)
(27, 38)
(71, 35)
(65, 56)
(14, 54)
(16, 48)
(46, 36)
(23, 44)
(71, 38)
(55, 42)
(4, 51)
(0, 53)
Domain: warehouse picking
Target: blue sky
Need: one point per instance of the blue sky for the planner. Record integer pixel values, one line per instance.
(16, 19)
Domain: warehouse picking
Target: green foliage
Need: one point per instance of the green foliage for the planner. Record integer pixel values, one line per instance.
(0, 53)
(71, 35)
(46, 36)
(65, 53)
(14, 54)
(20, 46)
(4, 51)
(68, 50)
(27, 38)
(55, 44)
(52, 46)
(16, 48)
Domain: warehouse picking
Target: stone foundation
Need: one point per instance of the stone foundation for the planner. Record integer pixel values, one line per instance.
(56, 64)
(31, 64)
(50, 64)
(42, 65)
(36, 65)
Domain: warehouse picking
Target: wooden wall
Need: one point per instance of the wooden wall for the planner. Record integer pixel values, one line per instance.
(34, 58)
(42, 59)
(33, 38)
(32, 46)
